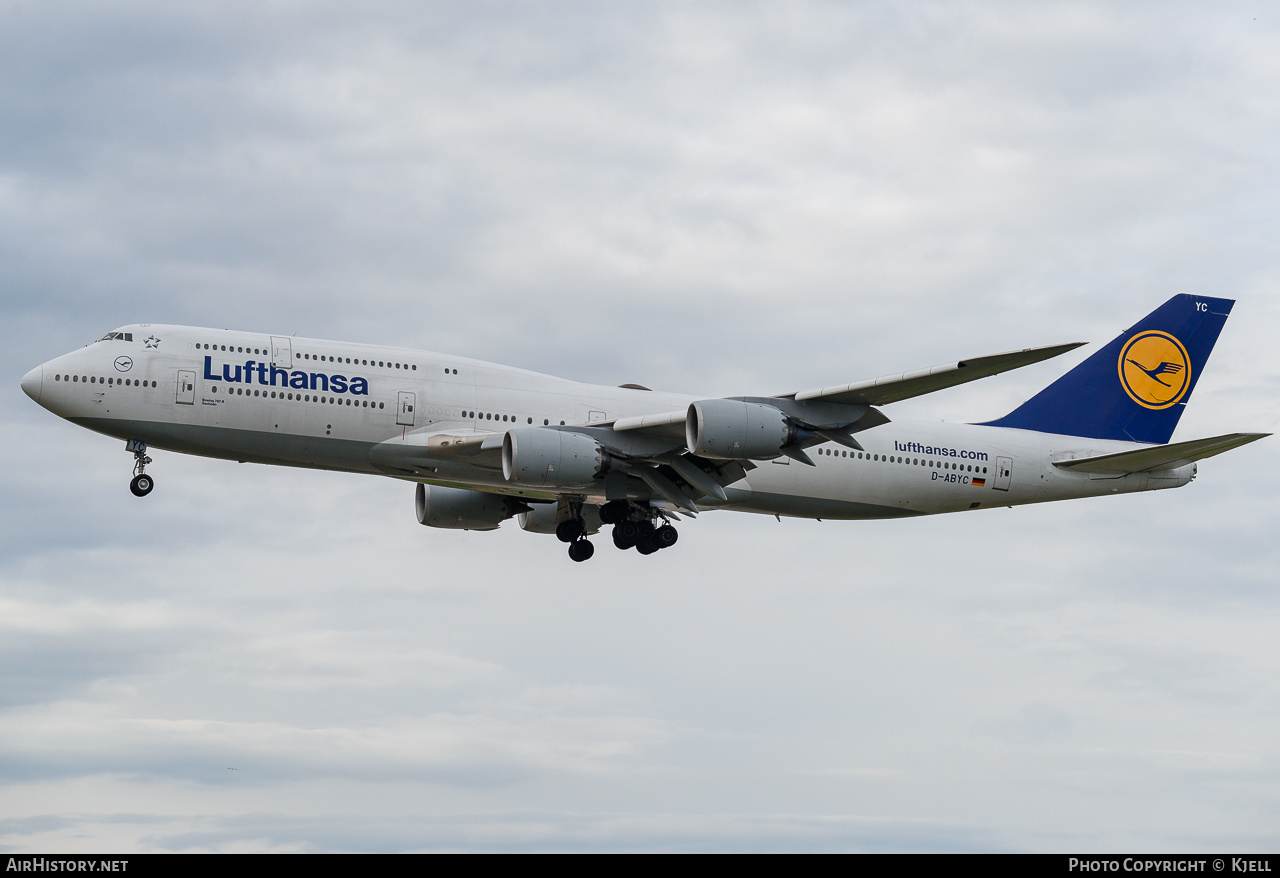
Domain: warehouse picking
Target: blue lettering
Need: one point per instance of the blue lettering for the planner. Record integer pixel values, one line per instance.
(298, 380)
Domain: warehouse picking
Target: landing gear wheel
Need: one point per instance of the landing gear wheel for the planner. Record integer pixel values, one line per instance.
(569, 530)
(620, 540)
(141, 485)
(625, 534)
(646, 546)
(665, 537)
(581, 550)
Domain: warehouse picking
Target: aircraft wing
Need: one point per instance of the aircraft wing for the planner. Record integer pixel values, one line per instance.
(1159, 457)
(893, 388)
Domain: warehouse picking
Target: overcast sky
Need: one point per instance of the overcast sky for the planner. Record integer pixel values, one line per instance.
(706, 198)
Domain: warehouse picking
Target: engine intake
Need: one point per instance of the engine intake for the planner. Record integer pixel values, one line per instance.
(729, 429)
(551, 458)
(461, 509)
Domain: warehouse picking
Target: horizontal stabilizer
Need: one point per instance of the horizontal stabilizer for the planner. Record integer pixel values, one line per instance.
(1159, 457)
(893, 388)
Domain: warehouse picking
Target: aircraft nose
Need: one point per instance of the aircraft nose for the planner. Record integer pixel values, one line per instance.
(32, 382)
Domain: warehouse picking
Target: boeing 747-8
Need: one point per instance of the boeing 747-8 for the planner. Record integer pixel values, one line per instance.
(485, 442)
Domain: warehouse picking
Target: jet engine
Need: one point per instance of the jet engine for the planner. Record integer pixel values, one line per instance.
(461, 509)
(730, 429)
(551, 458)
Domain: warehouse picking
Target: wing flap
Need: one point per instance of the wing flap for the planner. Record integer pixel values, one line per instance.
(1159, 457)
(893, 388)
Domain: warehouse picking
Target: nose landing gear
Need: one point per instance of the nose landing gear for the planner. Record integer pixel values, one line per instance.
(142, 483)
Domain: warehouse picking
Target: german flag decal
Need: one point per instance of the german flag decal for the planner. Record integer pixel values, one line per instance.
(979, 483)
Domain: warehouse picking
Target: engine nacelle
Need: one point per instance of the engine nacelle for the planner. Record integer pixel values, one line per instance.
(541, 519)
(460, 509)
(729, 429)
(551, 458)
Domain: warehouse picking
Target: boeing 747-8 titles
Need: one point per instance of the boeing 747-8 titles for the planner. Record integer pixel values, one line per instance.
(486, 442)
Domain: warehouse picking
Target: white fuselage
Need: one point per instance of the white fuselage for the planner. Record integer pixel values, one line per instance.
(333, 405)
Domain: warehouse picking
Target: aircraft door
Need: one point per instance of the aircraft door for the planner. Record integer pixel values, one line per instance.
(186, 387)
(282, 352)
(1004, 473)
(404, 408)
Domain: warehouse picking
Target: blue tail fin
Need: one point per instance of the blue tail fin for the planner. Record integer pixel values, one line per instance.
(1134, 388)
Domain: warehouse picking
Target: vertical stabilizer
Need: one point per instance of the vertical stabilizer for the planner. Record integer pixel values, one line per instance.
(1134, 388)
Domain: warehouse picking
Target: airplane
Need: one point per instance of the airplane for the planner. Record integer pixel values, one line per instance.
(485, 443)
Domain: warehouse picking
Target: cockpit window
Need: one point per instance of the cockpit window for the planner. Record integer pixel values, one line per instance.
(117, 336)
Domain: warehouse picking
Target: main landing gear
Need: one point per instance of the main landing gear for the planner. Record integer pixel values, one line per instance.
(574, 532)
(634, 527)
(644, 535)
(142, 483)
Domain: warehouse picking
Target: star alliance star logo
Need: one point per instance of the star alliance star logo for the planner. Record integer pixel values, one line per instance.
(152, 342)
